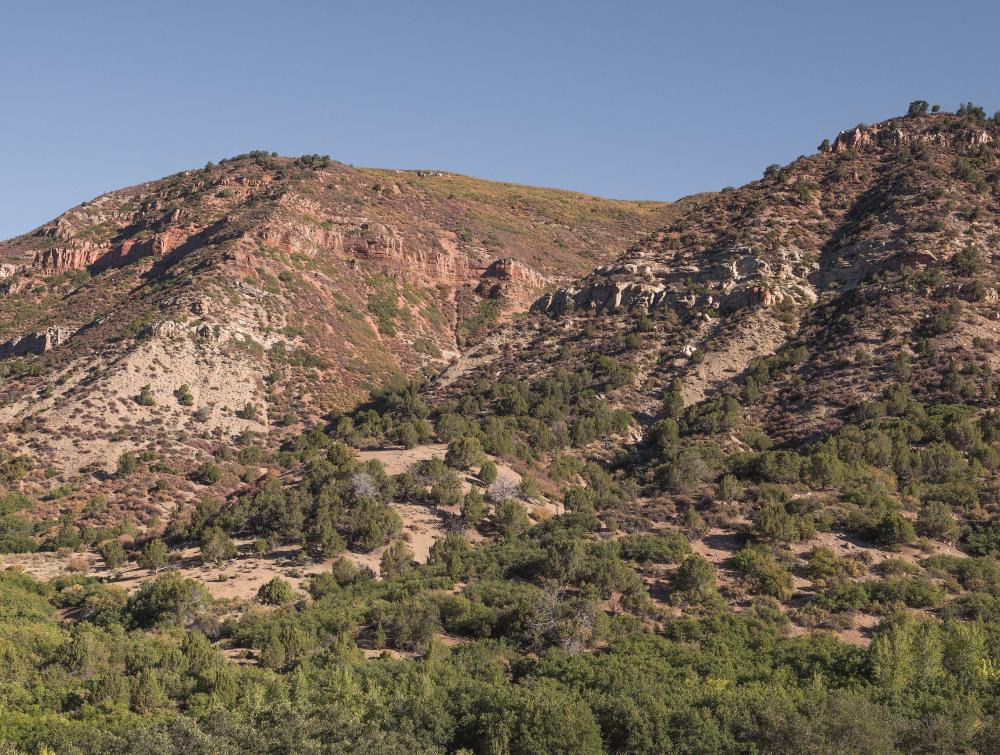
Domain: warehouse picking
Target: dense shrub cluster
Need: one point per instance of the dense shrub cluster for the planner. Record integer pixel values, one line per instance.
(727, 683)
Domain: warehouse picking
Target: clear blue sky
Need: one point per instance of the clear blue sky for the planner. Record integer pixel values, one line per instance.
(625, 99)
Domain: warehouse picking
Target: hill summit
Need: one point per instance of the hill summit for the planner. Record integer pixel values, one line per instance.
(268, 291)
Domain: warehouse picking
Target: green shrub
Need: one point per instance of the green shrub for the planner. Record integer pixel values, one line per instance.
(128, 463)
(113, 553)
(249, 411)
(396, 561)
(154, 555)
(473, 508)
(276, 592)
(184, 396)
(16, 535)
(774, 522)
(695, 579)
(208, 473)
(765, 574)
(170, 599)
(511, 518)
(528, 488)
(892, 529)
(216, 545)
(464, 452)
(667, 548)
(487, 472)
(935, 520)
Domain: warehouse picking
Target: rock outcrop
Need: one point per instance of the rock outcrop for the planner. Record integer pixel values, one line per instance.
(511, 279)
(35, 343)
(96, 256)
(734, 279)
(895, 133)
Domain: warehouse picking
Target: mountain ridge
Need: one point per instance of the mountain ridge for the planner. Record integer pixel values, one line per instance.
(311, 281)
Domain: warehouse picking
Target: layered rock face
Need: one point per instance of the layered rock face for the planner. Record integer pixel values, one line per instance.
(73, 255)
(724, 281)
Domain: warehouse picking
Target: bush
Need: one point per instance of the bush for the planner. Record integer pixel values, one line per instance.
(170, 599)
(488, 472)
(686, 472)
(416, 621)
(473, 508)
(446, 490)
(673, 403)
(249, 411)
(528, 488)
(696, 578)
(145, 397)
(15, 535)
(450, 426)
(935, 520)
(844, 596)
(768, 466)
(128, 463)
(184, 396)
(511, 518)
(463, 452)
(823, 565)
(321, 538)
(277, 592)
(407, 435)
(774, 522)
(967, 261)
(372, 524)
(730, 488)
(216, 545)
(668, 548)
(396, 560)
(67, 536)
(154, 555)
(765, 574)
(892, 529)
(113, 553)
(208, 473)
(915, 592)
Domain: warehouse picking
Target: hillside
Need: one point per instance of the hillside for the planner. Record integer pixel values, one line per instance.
(859, 250)
(719, 476)
(805, 362)
(262, 293)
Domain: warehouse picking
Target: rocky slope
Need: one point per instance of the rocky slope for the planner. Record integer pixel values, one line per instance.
(263, 292)
(858, 254)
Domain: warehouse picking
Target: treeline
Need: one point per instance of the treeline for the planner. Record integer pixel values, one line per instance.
(723, 683)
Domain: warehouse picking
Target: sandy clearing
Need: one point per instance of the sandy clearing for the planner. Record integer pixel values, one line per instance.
(240, 578)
